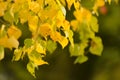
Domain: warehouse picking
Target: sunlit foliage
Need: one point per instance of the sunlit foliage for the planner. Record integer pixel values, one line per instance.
(49, 26)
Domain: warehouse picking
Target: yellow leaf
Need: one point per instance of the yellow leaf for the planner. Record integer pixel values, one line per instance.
(14, 31)
(66, 25)
(3, 41)
(59, 38)
(33, 23)
(24, 18)
(49, 10)
(12, 42)
(63, 42)
(45, 30)
(82, 15)
(34, 6)
(40, 62)
(98, 3)
(69, 3)
(3, 7)
(60, 18)
(40, 49)
(77, 5)
(63, 2)
(56, 36)
(74, 24)
(9, 42)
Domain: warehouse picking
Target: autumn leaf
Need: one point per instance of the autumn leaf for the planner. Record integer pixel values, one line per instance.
(11, 42)
(33, 23)
(14, 31)
(82, 15)
(63, 42)
(3, 7)
(34, 6)
(45, 30)
(24, 18)
(59, 38)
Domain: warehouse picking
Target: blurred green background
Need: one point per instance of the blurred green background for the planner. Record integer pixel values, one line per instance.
(61, 67)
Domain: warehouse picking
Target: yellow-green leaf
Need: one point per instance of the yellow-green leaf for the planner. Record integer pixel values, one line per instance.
(81, 59)
(36, 58)
(2, 31)
(85, 32)
(94, 24)
(75, 50)
(17, 54)
(1, 52)
(96, 47)
(78, 49)
(69, 34)
(51, 46)
(9, 16)
(31, 68)
(28, 43)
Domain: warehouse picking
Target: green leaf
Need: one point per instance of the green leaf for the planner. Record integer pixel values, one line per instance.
(94, 24)
(78, 49)
(9, 16)
(96, 47)
(81, 59)
(74, 50)
(51, 46)
(17, 54)
(85, 32)
(28, 43)
(16, 18)
(31, 68)
(1, 52)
